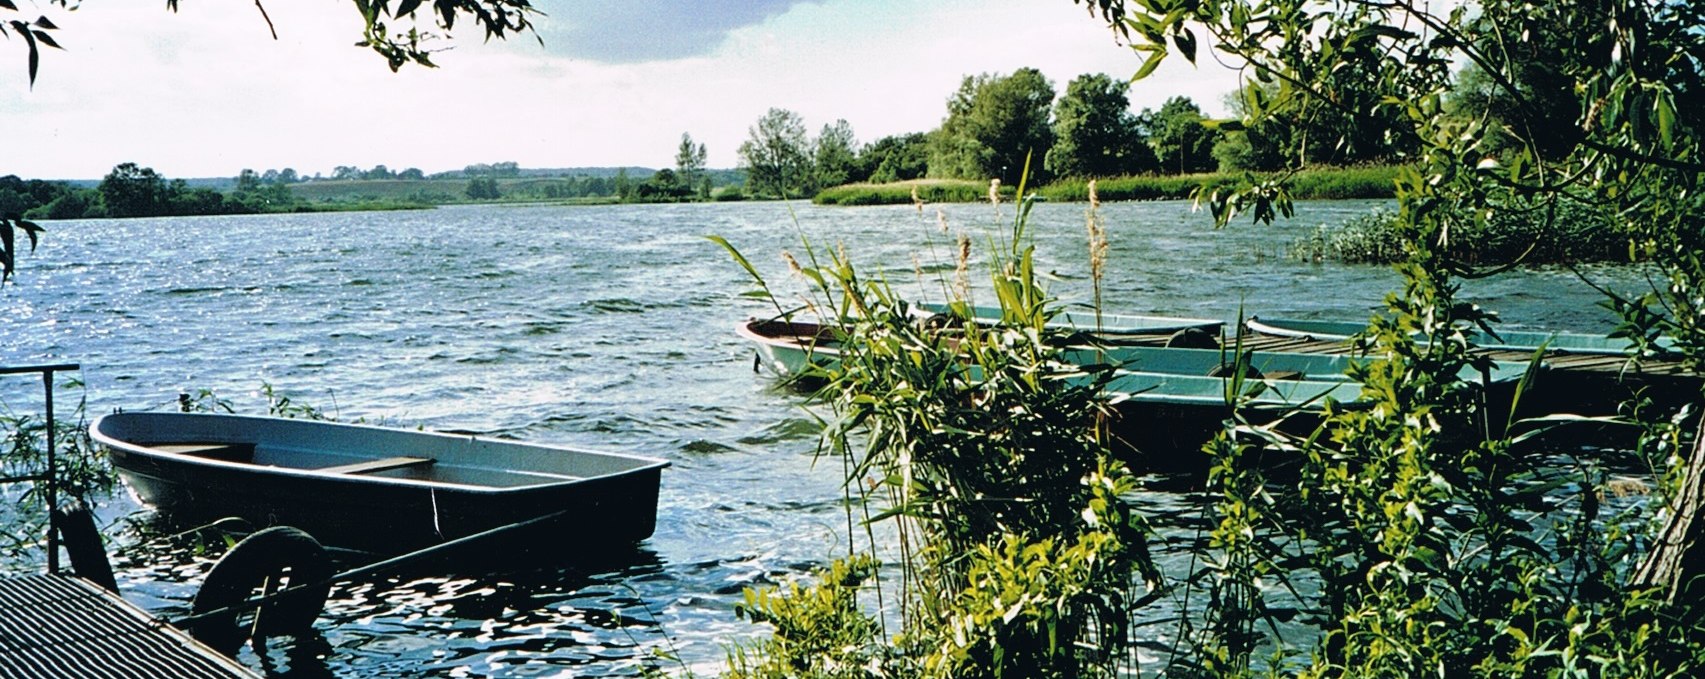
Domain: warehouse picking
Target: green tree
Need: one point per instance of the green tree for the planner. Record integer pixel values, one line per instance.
(834, 156)
(622, 186)
(1095, 133)
(1182, 142)
(483, 188)
(690, 164)
(247, 181)
(776, 155)
(896, 158)
(994, 123)
(133, 191)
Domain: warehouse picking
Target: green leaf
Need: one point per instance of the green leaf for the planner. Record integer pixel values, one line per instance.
(738, 258)
(1666, 118)
(1186, 42)
(46, 39)
(1149, 64)
(35, 53)
(406, 7)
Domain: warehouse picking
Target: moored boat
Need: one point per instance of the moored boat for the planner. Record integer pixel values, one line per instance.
(379, 489)
(790, 348)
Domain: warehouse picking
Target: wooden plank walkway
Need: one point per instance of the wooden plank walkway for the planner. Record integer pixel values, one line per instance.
(62, 627)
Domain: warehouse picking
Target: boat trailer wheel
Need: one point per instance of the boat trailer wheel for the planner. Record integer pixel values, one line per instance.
(266, 560)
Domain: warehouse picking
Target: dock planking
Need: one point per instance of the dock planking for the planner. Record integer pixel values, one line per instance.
(56, 626)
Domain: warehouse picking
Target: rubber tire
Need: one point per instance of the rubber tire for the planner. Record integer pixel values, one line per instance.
(82, 542)
(1192, 338)
(1226, 369)
(250, 563)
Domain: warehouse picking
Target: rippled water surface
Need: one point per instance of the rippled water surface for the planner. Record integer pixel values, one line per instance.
(606, 327)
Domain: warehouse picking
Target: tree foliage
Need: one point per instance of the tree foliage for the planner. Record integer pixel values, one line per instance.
(1095, 133)
(1458, 555)
(1182, 141)
(896, 158)
(834, 155)
(994, 123)
(690, 166)
(400, 31)
(777, 155)
(130, 190)
(11, 226)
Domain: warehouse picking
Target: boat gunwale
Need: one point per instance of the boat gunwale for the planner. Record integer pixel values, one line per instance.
(110, 441)
(1132, 325)
(1256, 325)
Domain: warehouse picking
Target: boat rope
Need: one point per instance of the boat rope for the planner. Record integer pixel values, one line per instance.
(363, 571)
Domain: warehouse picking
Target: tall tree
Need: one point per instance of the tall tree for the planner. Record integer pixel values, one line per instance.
(777, 156)
(1095, 133)
(1181, 141)
(132, 191)
(247, 180)
(994, 123)
(835, 155)
(689, 162)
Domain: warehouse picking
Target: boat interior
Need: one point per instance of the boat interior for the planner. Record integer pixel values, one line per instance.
(396, 467)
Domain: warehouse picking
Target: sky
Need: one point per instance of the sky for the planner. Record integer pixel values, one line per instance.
(207, 92)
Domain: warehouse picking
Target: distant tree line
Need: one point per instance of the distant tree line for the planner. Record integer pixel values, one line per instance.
(134, 191)
(994, 123)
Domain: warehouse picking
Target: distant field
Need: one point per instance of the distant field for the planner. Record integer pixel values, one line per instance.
(393, 190)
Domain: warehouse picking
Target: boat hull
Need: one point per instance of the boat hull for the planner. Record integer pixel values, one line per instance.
(390, 511)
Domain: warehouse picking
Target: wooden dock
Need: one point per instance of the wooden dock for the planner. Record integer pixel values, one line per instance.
(62, 627)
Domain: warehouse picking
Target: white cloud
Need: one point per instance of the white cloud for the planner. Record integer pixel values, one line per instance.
(207, 92)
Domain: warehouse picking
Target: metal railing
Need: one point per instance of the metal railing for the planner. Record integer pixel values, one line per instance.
(48, 476)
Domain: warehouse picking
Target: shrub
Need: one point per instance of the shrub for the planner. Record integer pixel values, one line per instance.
(1572, 234)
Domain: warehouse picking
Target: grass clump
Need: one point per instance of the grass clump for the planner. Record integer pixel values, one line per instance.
(906, 192)
(984, 454)
(1323, 183)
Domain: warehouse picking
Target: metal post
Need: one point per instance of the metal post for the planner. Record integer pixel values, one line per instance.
(51, 475)
(52, 478)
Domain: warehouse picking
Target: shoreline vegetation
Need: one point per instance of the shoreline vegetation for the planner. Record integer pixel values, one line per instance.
(132, 191)
(1321, 183)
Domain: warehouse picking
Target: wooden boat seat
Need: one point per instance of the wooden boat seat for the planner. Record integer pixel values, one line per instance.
(229, 452)
(379, 465)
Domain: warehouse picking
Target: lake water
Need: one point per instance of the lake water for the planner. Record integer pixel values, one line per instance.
(607, 327)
